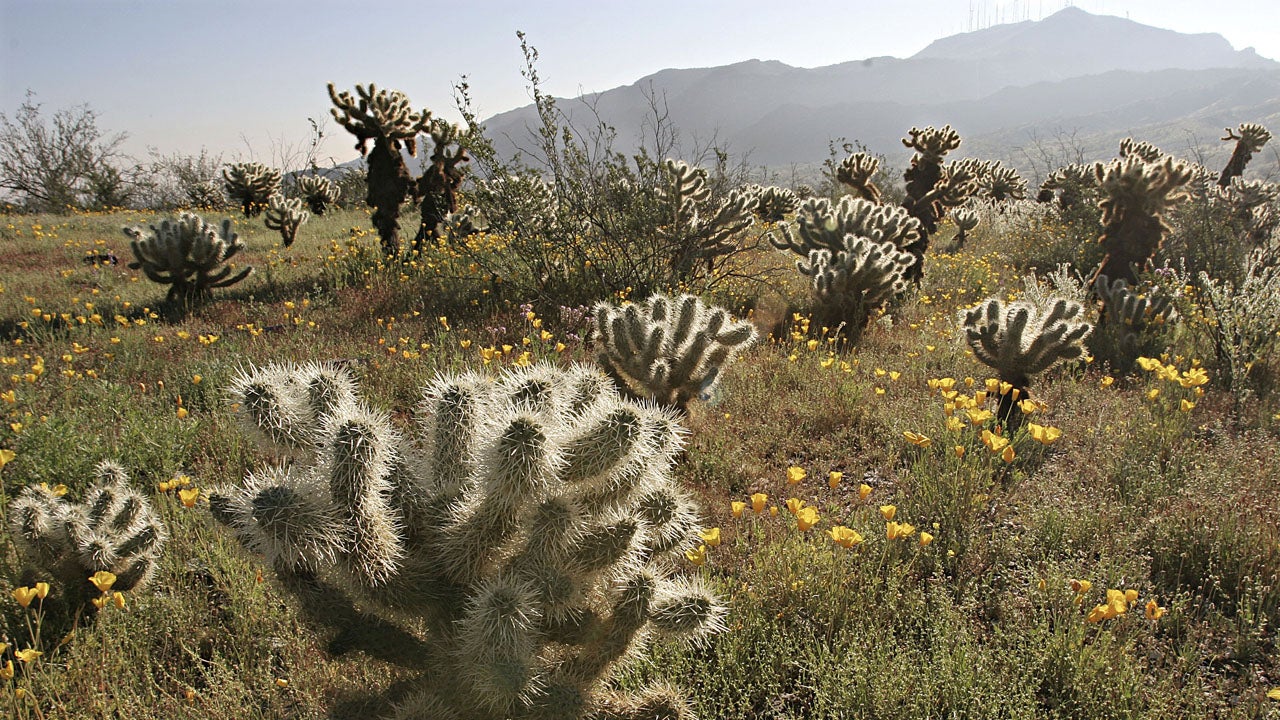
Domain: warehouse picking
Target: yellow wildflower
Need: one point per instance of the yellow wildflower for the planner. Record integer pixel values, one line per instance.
(737, 507)
(844, 537)
(189, 497)
(888, 511)
(795, 475)
(24, 595)
(1106, 382)
(28, 655)
(697, 556)
(757, 502)
(864, 491)
(917, 439)
(794, 505)
(897, 530)
(925, 538)
(103, 580)
(1042, 434)
(711, 536)
(1154, 611)
(833, 479)
(1008, 454)
(806, 518)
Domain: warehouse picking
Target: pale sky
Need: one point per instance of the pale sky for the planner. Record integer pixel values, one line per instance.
(240, 77)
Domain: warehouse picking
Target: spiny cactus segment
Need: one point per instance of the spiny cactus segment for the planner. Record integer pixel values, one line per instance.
(1071, 183)
(856, 281)
(251, 184)
(773, 203)
(187, 254)
(286, 216)
(530, 519)
(669, 349)
(1002, 183)
(1142, 150)
(319, 192)
(113, 530)
(856, 172)
(819, 225)
(1250, 139)
(1022, 339)
(966, 219)
(1135, 196)
(385, 118)
(1127, 314)
(207, 195)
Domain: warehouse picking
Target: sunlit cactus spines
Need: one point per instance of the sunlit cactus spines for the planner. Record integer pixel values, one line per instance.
(441, 177)
(1020, 340)
(669, 349)
(1142, 150)
(188, 255)
(855, 282)
(1002, 183)
(1250, 139)
(1069, 184)
(966, 219)
(114, 529)
(773, 203)
(207, 195)
(530, 519)
(1122, 334)
(856, 172)
(386, 118)
(285, 216)
(821, 225)
(931, 187)
(1136, 195)
(251, 184)
(696, 229)
(318, 191)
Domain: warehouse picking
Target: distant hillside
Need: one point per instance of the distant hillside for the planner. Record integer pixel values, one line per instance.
(1097, 78)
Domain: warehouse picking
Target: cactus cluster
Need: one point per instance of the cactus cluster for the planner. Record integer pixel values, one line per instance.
(856, 172)
(207, 195)
(1142, 150)
(319, 192)
(694, 229)
(251, 184)
(386, 118)
(1122, 335)
(441, 177)
(1136, 194)
(1021, 339)
(773, 203)
(113, 530)
(931, 187)
(671, 350)
(966, 219)
(1001, 183)
(187, 254)
(1071, 183)
(533, 524)
(1250, 138)
(285, 216)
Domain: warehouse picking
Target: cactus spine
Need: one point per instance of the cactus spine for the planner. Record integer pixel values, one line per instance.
(285, 216)
(533, 524)
(385, 118)
(251, 184)
(669, 349)
(694, 229)
(1020, 340)
(113, 530)
(931, 188)
(1136, 195)
(1252, 137)
(188, 255)
(773, 203)
(318, 191)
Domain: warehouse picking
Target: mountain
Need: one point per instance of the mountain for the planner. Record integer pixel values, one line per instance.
(1089, 78)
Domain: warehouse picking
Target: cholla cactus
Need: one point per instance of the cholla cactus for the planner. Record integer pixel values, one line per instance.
(1136, 194)
(207, 195)
(773, 203)
(820, 225)
(966, 219)
(856, 281)
(1122, 334)
(286, 216)
(669, 349)
(533, 523)
(318, 191)
(251, 184)
(1020, 340)
(188, 255)
(931, 188)
(440, 180)
(113, 530)
(1252, 137)
(693, 229)
(386, 119)
(1071, 183)
(1001, 183)
(856, 172)
(1142, 150)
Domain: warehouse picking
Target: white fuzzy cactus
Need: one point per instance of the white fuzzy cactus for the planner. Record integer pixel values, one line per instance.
(187, 254)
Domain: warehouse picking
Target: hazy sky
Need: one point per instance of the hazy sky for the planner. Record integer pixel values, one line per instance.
(241, 77)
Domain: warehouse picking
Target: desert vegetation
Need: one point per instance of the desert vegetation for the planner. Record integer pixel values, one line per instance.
(624, 435)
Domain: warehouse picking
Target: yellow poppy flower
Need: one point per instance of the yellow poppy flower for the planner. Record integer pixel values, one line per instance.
(711, 536)
(1154, 611)
(917, 439)
(28, 655)
(6, 671)
(1153, 393)
(737, 507)
(189, 497)
(833, 479)
(888, 511)
(117, 597)
(896, 530)
(864, 491)
(844, 537)
(6, 457)
(1149, 364)
(1008, 454)
(1186, 405)
(959, 451)
(955, 424)
(1097, 614)
(103, 580)
(697, 556)
(795, 475)
(977, 416)
(24, 595)
(925, 539)
(1131, 596)
(1106, 382)
(1274, 693)
(794, 505)
(1043, 434)
(806, 518)
(995, 443)
(773, 511)
(42, 590)
(757, 502)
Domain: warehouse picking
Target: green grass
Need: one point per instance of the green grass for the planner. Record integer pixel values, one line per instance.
(983, 622)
